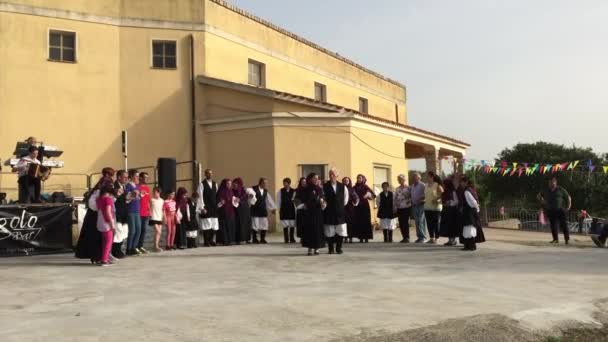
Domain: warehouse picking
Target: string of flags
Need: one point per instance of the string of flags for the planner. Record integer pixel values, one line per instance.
(517, 169)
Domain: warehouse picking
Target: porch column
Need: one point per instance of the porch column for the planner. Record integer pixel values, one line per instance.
(432, 160)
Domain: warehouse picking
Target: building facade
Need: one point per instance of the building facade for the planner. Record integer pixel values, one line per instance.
(195, 80)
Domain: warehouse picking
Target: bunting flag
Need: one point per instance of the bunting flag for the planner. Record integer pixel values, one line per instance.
(504, 168)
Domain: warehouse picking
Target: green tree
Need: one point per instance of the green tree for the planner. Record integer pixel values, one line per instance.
(588, 191)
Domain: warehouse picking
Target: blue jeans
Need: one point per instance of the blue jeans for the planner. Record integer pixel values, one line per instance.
(134, 231)
(144, 225)
(420, 221)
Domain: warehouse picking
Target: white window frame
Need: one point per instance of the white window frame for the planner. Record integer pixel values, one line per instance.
(262, 73)
(388, 178)
(323, 177)
(366, 101)
(324, 94)
(163, 40)
(48, 44)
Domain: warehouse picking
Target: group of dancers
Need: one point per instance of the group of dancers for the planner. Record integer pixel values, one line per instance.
(121, 206)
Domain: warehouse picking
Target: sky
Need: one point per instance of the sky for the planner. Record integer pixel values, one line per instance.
(492, 73)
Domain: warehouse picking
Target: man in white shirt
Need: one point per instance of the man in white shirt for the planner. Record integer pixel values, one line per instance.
(207, 208)
(418, 198)
(264, 205)
(334, 215)
(28, 184)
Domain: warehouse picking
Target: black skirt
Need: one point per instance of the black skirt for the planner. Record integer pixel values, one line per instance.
(312, 228)
(226, 233)
(451, 223)
(362, 227)
(242, 223)
(89, 241)
(299, 223)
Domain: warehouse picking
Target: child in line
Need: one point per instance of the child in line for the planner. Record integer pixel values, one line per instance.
(106, 223)
(287, 211)
(192, 229)
(182, 218)
(169, 210)
(156, 217)
(386, 212)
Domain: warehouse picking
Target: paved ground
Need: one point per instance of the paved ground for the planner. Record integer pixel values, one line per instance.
(276, 293)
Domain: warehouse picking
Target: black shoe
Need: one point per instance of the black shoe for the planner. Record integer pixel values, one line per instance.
(385, 233)
(292, 235)
(390, 236)
(286, 235)
(567, 242)
(597, 242)
(263, 237)
(256, 242)
(339, 241)
(213, 244)
(555, 242)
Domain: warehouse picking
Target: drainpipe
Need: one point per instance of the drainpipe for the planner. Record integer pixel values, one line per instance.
(193, 115)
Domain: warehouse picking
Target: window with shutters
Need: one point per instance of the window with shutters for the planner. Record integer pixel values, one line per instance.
(320, 92)
(257, 73)
(363, 105)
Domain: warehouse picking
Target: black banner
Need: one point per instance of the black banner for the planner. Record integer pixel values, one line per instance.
(33, 229)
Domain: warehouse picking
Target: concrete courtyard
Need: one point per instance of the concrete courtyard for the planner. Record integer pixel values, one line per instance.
(277, 293)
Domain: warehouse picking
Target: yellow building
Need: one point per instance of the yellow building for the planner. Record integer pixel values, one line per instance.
(195, 80)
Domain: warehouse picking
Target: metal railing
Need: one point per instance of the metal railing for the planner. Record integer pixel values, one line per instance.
(531, 220)
(77, 184)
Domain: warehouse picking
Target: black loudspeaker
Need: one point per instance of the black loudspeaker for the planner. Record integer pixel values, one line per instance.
(167, 168)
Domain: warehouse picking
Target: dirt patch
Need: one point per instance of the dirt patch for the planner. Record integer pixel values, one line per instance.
(483, 328)
(495, 328)
(577, 243)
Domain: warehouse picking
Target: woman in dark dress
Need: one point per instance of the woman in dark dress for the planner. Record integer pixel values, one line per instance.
(89, 241)
(362, 226)
(227, 204)
(299, 206)
(183, 221)
(353, 201)
(313, 236)
(243, 214)
(472, 229)
(451, 226)
(193, 227)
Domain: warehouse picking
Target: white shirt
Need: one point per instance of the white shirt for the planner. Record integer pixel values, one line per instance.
(156, 209)
(346, 195)
(471, 201)
(93, 200)
(269, 202)
(279, 201)
(200, 204)
(24, 163)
